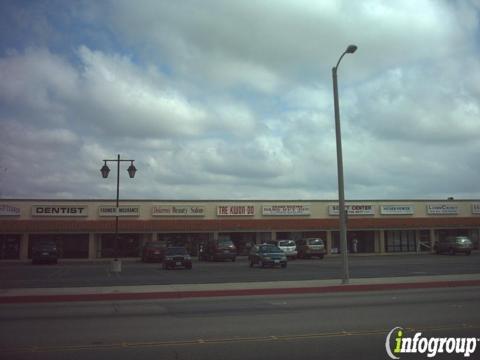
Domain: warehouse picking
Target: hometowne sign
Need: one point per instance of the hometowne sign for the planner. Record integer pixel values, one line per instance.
(7, 210)
(235, 210)
(352, 209)
(397, 209)
(60, 210)
(127, 210)
(178, 210)
(286, 210)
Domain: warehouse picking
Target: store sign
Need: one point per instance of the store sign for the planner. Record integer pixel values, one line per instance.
(476, 208)
(286, 210)
(7, 210)
(60, 210)
(178, 210)
(122, 211)
(442, 209)
(397, 209)
(235, 210)
(353, 209)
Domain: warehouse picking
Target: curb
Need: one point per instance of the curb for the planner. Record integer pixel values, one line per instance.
(22, 299)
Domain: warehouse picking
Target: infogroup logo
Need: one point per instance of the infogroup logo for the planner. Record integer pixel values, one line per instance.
(397, 343)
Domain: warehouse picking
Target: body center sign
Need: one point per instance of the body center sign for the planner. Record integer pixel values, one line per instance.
(352, 209)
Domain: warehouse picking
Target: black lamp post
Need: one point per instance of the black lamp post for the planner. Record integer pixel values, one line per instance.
(131, 172)
(341, 192)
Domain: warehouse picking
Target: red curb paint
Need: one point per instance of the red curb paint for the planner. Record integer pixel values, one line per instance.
(241, 292)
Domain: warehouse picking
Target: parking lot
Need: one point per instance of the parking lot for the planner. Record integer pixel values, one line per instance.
(97, 273)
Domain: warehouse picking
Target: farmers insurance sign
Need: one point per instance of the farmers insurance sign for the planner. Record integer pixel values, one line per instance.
(286, 210)
(60, 210)
(353, 209)
(181, 210)
(236, 210)
(122, 211)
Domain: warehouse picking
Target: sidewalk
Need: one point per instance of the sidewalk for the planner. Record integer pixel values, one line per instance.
(150, 292)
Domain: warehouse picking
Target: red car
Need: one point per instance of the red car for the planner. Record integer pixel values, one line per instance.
(153, 251)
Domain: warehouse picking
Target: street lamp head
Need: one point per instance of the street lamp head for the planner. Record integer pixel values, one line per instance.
(105, 170)
(351, 49)
(131, 170)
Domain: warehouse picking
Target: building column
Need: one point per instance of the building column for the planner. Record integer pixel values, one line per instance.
(329, 242)
(24, 247)
(92, 250)
(381, 241)
(432, 239)
(273, 235)
(417, 240)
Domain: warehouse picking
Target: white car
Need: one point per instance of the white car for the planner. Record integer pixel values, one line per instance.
(288, 247)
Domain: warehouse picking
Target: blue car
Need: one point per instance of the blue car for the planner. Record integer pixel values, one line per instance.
(267, 255)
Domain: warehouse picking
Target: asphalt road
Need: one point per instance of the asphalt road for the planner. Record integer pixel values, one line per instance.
(328, 326)
(76, 274)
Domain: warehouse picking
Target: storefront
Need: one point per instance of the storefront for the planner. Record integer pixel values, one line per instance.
(128, 245)
(70, 246)
(84, 229)
(10, 247)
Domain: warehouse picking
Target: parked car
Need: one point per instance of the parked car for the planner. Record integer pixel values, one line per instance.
(153, 251)
(453, 245)
(176, 257)
(289, 247)
(267, 255)
(311, 247)
(44, 251)
(217, 249)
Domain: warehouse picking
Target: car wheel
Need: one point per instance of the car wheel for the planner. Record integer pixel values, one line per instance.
(233, 259)
(262, 264)
(451, 251)
(189, 267)
(284, 265)
(321, 257)
(251, 263)
(468, 253)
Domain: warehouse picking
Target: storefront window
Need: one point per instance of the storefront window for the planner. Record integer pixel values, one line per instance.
(128, 245)
(191, 241)
(70, 246)
(400, 241)
(357, 242)
(9, 247)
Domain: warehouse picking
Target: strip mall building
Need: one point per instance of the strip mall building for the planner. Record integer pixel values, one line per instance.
(84, 229)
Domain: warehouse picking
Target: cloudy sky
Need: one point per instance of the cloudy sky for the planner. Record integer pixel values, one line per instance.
(233, 99)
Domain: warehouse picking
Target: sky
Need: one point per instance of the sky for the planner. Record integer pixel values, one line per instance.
(233, 99)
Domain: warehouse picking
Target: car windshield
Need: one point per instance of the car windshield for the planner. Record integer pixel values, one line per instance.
(154, 245)
(269, 249)
(46, 244)
(315, 242)
(225, 243)
(286, 243)
(176, 251)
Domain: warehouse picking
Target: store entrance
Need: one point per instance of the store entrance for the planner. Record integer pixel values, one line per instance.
(191, 241)
(357, 242)
(9, 247)
(128, 245)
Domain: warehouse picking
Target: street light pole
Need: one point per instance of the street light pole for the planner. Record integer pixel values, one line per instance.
(341, 192)
(117, 264)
